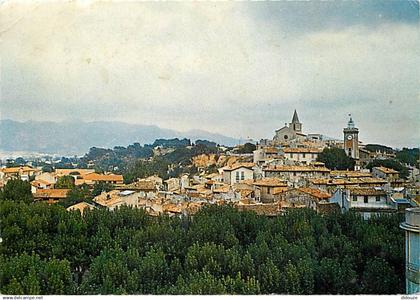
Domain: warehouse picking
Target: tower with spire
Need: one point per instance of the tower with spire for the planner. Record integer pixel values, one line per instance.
(351, 139)
(295, 124)
(289, 132)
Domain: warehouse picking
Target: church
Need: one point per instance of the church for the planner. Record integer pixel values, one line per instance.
(290, 133)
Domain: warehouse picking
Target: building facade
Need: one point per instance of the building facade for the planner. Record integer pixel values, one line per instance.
(412, 249)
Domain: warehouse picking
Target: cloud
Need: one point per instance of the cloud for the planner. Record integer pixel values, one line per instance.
(234, 68)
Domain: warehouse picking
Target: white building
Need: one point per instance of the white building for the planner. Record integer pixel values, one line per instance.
(238, 173)
(302, 155)
(412, 249)
(365, 200)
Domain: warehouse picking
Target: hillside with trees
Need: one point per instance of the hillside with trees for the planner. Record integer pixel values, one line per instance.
(48, 250)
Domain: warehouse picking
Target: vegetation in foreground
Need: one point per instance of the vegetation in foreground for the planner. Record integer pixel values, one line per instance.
(47, 250)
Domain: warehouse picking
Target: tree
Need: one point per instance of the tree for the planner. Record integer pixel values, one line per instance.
(336, 159)
(379, 277)
(100, 187)
(17, 190)
(76, 195)
(65, 182)
(247, 148)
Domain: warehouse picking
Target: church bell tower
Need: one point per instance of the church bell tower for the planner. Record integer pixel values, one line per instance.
(351, 140)
(295, 124)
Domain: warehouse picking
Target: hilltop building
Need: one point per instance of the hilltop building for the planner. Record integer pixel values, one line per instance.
(291, 132)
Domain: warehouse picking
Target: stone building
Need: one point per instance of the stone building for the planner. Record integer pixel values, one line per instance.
(289, 133)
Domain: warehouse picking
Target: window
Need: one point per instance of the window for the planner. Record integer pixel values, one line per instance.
(354, 198)
(242, 175)
(294, 173)
(313, 155)
(237, 176)
(378, 198)
(365, 199)
(303, 155)
(349, 151)
(286, 137)
(291, 155)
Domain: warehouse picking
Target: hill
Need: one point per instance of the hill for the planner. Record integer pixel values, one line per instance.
(76, 137)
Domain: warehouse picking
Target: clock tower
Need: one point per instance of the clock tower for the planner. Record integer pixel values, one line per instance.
(351, 140)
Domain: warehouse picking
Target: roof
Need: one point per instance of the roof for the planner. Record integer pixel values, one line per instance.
(51, 193)
(295, 118)
(62, 172)
(103, 177)
(316, 193)
(222, 189)
(271, 150)
(386, 170)
(144, 184)
(359, 191)
(302, 150)
(39, 182)
(80, 206)
(18, 169)
(348, 181)
(296, 169)
(272, 182)
(271, 209)
(239, 165)
(340, 173)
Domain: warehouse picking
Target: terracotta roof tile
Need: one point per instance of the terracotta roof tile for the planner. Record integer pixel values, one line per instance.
(51, 193)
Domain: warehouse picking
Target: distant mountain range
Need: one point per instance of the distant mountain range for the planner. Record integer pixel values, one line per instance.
(76, 137)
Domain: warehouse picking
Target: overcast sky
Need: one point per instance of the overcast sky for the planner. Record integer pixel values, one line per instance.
(239, 69)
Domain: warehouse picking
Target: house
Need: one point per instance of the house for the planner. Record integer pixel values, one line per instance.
(238, 172)
(367, 201)
(302, 155)
(72, 172)
(116, 198)
(268, 187)
(388, 174)
(22, 173)
(265, 209)
(50, 195)
(93, 178)
(157, 181)
(40, 185)
(172, 184)
(264, 154)
(303, 197)
(81, 207)
(295, 174)
(349, 174)
(330, 185)
(49, 177)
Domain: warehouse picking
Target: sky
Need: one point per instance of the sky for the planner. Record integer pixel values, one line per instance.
(235, 68)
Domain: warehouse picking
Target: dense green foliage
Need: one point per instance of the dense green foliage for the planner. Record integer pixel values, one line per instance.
(389, 163)
(336, 159)
(65, 182)
(247, 148)
(172, 143)
(47, 250)
(409, 156)
(17, 190)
